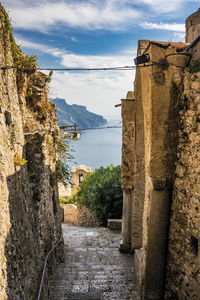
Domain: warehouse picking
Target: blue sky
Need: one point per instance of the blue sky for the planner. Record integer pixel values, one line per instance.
(94, 33)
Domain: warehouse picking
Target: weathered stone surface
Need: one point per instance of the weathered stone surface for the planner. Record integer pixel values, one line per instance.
(158, 183)
(94, 265)
(70, 213)
(86, 218)
(192, 26)
(183, 277)
(128, 167)
(155, 154)
(29, 210)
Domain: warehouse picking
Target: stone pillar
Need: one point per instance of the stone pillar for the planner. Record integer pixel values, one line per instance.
(156, 94)
(125, 244)
(153, 272)
(128, 161)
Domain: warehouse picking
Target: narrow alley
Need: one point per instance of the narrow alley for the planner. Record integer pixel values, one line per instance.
(94, 269)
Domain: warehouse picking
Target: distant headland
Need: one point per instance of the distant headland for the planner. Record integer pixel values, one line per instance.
(70, 114)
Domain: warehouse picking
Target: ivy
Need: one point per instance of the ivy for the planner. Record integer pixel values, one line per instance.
(194, 67)
(21, 61)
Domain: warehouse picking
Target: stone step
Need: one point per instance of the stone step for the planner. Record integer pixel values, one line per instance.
(82, 296)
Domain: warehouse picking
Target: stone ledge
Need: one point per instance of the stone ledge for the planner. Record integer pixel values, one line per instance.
(114, 224)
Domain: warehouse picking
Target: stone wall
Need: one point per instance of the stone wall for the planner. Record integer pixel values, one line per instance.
(70, 213)
(29, 210)
(151, 158)
(163, 162)
(158, 119)
(192, 26)
(183, 276)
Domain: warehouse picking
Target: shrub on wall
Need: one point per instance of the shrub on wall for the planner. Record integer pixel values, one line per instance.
(101, 192)
(67, 201)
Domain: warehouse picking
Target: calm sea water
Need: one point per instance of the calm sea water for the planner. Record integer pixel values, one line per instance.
(98, 147)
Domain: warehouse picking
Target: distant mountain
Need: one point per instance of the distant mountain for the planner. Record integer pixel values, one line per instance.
(70, 114)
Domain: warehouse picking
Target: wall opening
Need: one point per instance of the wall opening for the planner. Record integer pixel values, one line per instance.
(194, 243)
(80, 177)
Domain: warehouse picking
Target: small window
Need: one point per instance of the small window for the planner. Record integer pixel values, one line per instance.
(80, 177)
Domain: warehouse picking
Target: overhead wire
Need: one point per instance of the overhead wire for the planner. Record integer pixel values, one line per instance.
(93, 128)
(125, 68)
(121, 68)
(70, 130)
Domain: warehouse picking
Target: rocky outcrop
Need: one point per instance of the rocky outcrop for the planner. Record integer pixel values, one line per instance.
(76, 114)
(29, 210)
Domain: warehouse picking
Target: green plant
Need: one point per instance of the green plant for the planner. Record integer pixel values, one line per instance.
(48, 77)
(21, 106)
(101, 192)
(67, 201)
(30, 92)
(194, 67)
(19, 161)
(21, 61)
(24, 188)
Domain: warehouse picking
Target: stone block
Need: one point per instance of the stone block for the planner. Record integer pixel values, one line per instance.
(114, 224)
(70, 213)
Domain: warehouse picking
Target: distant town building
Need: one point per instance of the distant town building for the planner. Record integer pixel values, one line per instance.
(77, 175)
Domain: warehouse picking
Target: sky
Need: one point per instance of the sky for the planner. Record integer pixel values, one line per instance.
(94, 33)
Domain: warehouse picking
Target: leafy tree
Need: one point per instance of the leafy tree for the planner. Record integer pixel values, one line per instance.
(101, 192)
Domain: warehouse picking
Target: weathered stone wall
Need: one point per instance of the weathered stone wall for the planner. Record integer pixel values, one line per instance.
(70, 213)
(164, 166)
(29, 210)
(192, 26)
(160, 149)
(153, 156)
(127, 168)
(183, 274)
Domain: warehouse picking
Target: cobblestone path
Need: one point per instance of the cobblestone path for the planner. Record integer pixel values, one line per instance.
(94, 268)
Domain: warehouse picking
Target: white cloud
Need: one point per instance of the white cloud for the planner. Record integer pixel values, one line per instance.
(178, 36)
(39, 47)
(90, 15)
(74, 39)
(99, 91)
(87, 14)
(165, 26)
(165, 6)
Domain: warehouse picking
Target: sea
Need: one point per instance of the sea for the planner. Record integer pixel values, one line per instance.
(98, 147)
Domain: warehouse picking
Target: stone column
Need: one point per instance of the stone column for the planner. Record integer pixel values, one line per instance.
(153, 272)
(125, 244)
(128, 162)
